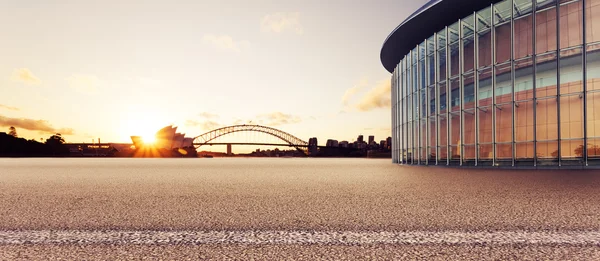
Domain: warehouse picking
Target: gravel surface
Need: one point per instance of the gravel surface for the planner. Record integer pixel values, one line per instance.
(296, 252)
(288, 195)
(574, 238)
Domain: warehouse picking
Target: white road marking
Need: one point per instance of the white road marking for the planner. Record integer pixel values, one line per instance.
(578, 238)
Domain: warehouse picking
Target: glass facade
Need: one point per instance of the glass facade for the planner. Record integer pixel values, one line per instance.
(514, 84)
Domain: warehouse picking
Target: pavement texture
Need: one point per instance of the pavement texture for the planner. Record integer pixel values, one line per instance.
(323, 195)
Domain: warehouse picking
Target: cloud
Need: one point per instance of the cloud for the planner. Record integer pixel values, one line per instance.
(26, 76)
(33, 125)
(376, 98)
(9, 107)
(349, 94)
(204, 125)
(278, 118)
(208, 115)
(225, 42)
(85, 83)
(282, 22)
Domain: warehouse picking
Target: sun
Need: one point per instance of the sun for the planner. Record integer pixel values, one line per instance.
(149, 139)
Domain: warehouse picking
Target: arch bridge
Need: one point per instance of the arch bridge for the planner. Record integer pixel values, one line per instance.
(288, 139)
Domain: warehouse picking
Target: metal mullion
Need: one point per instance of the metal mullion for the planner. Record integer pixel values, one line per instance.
(418, 118)
(493, 43)
(512, 72)
(534, 65)
(558, 85)
(476, 84)
(447, 96)
(435, 90)
(461, 89)
(584, 57)
(426, 75)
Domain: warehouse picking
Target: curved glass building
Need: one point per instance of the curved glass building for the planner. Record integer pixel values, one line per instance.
(497, 83)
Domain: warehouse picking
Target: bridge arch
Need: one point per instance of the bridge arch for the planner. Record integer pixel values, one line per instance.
(290, 139)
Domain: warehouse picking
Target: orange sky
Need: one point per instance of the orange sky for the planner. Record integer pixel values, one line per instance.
(112, 69)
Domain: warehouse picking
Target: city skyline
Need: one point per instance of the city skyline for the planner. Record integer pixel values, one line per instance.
(113, 70)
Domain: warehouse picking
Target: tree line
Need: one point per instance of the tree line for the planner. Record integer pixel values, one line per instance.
(13, 146)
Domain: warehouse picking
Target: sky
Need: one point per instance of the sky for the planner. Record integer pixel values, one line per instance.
(112, 69)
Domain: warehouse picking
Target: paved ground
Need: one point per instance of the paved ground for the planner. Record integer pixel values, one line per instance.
(295, 195)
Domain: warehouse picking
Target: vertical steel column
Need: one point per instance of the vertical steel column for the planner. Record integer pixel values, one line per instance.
(418, 105)
(476, 82)
(534, 82)
(461, 89)
(493, 36)
(512, 79)
(584, 56)
(427, 83)
(437, 95)
(448, 90)
(558, 85)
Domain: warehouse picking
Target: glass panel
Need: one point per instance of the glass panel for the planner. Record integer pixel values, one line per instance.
(454, 129)
(524, 79)
(469, 152)
(540, 4)
(432, 132)
(455, 94)
(430, 45)
(545, 22)
(503, 83)
(522, 7)
(442, 97)
(441, 39)
(546, 75)
(469, 54)
(593, 114)
(454, 153)
(468, 92)
(485, 125)
(524, 121)
(432, 105)
(503, 11)
(485, 151)
(422, 75)
(571, 117)
(524, 150)
(442, 64)
(503, 43)
(485, 87)
(592, 23)
(593, 67)
(453, 32)
(523, 32)
(571, 24)
(594, 148)
(431, 69)
(504, 126)
(422, 51)
(454, 59)
(570, 149)
(423, 138)
(571, 71)
(485, 48)
(484, 19)
(423, 103)
(469, 127)
(504, 151)
(547, 150)
(547, 120)
(468, 26)
(443, 127)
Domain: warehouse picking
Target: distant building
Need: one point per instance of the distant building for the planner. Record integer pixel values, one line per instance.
(360, 139)
(313, 147)
(371, 139)
(343, 144)
(332, 143)
(166, 138)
